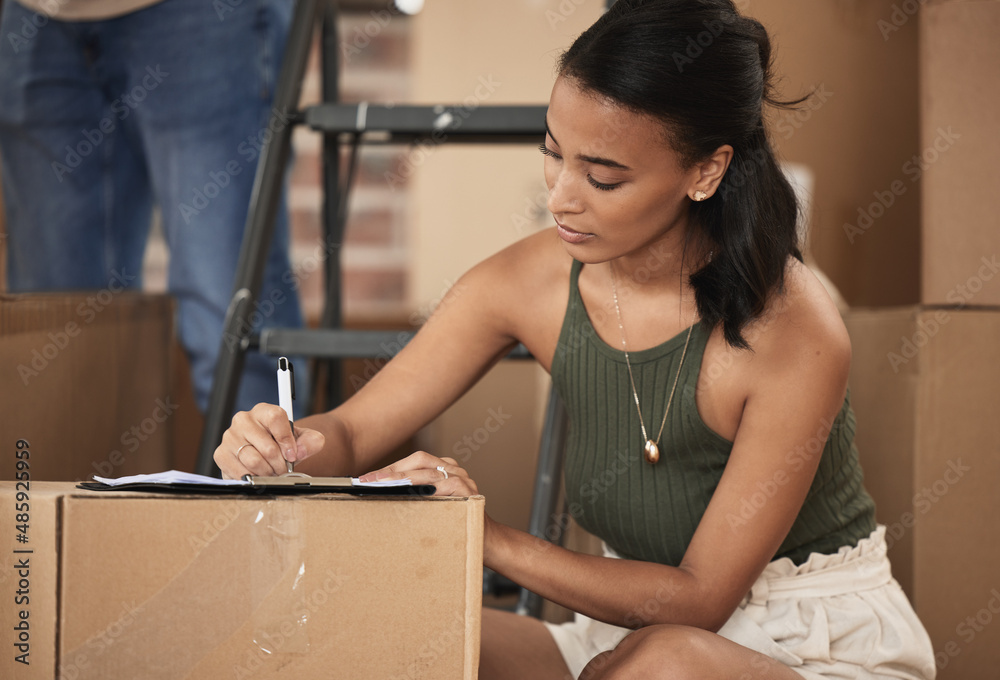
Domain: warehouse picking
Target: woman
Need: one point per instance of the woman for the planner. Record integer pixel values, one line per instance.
(741, 542)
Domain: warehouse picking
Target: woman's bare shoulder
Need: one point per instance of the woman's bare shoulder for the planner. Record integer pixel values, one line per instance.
(532, 265)
(527, 284)
(540, 252)
(800, 323)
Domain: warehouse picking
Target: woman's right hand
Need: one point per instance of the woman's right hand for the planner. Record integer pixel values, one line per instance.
(259, 441)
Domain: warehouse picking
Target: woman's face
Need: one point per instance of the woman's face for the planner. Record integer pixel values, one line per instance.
(615, 186)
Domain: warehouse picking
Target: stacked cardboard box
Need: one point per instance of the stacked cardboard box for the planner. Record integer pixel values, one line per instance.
(960, 130)
(924, 385)
(86, 381)
(924, 378)
(119, 585)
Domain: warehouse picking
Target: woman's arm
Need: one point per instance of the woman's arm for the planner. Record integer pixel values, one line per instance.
(479, 321)
(796, 384)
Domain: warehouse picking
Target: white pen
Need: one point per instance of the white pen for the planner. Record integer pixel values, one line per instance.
(286, 395)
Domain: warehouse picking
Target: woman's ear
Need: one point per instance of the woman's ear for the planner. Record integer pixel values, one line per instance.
(709, 173)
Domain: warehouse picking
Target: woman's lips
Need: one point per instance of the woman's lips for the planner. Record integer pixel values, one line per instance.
(571, 236)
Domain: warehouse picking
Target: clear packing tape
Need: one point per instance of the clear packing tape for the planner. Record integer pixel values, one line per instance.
(255, 552)
(280, 624)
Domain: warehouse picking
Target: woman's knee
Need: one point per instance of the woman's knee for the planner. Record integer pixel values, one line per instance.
(596, 667)
(660, 651)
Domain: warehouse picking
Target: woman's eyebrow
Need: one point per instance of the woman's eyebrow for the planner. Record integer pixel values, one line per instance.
(589, 159)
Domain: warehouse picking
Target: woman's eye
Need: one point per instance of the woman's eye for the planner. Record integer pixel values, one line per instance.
(547, 151)
(601, 185)
(597, 185)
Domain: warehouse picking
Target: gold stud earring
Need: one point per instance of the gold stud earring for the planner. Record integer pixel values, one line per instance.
(700, 195)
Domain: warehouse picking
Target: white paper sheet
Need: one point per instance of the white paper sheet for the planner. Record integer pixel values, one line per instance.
(178, 477)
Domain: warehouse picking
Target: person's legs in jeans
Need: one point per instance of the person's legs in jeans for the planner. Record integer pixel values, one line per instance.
(214, 77)
(75, 190)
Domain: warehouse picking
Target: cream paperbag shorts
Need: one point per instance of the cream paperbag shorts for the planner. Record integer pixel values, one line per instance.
(834, 616)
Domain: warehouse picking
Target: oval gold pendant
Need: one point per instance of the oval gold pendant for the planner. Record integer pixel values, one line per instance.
(651, 451)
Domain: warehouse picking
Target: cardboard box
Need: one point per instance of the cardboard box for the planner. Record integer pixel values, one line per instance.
(924, 388)
(87, 381)
(960, 117)
(3, 243)
(129, 585)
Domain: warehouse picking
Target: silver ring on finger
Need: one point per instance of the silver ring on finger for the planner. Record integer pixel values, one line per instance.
(440, 468)
(241, 448)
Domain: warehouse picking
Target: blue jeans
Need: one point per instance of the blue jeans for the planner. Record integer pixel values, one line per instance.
(167, 105)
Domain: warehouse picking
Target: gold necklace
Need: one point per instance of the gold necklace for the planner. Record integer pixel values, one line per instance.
(651, 450)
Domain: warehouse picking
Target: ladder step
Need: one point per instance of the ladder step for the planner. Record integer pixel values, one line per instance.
(441, 123)
(343, 343)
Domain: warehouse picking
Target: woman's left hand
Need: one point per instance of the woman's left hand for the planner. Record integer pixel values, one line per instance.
(448, 478)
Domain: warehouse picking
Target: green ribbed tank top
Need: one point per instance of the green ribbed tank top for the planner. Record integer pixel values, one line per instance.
(650, 512)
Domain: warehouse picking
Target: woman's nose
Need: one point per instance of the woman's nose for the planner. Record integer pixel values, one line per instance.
(562, 194)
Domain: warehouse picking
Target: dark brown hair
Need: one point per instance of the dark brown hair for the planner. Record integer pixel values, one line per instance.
(705, 71)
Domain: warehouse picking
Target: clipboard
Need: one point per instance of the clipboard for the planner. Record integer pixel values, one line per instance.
(289, 484)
